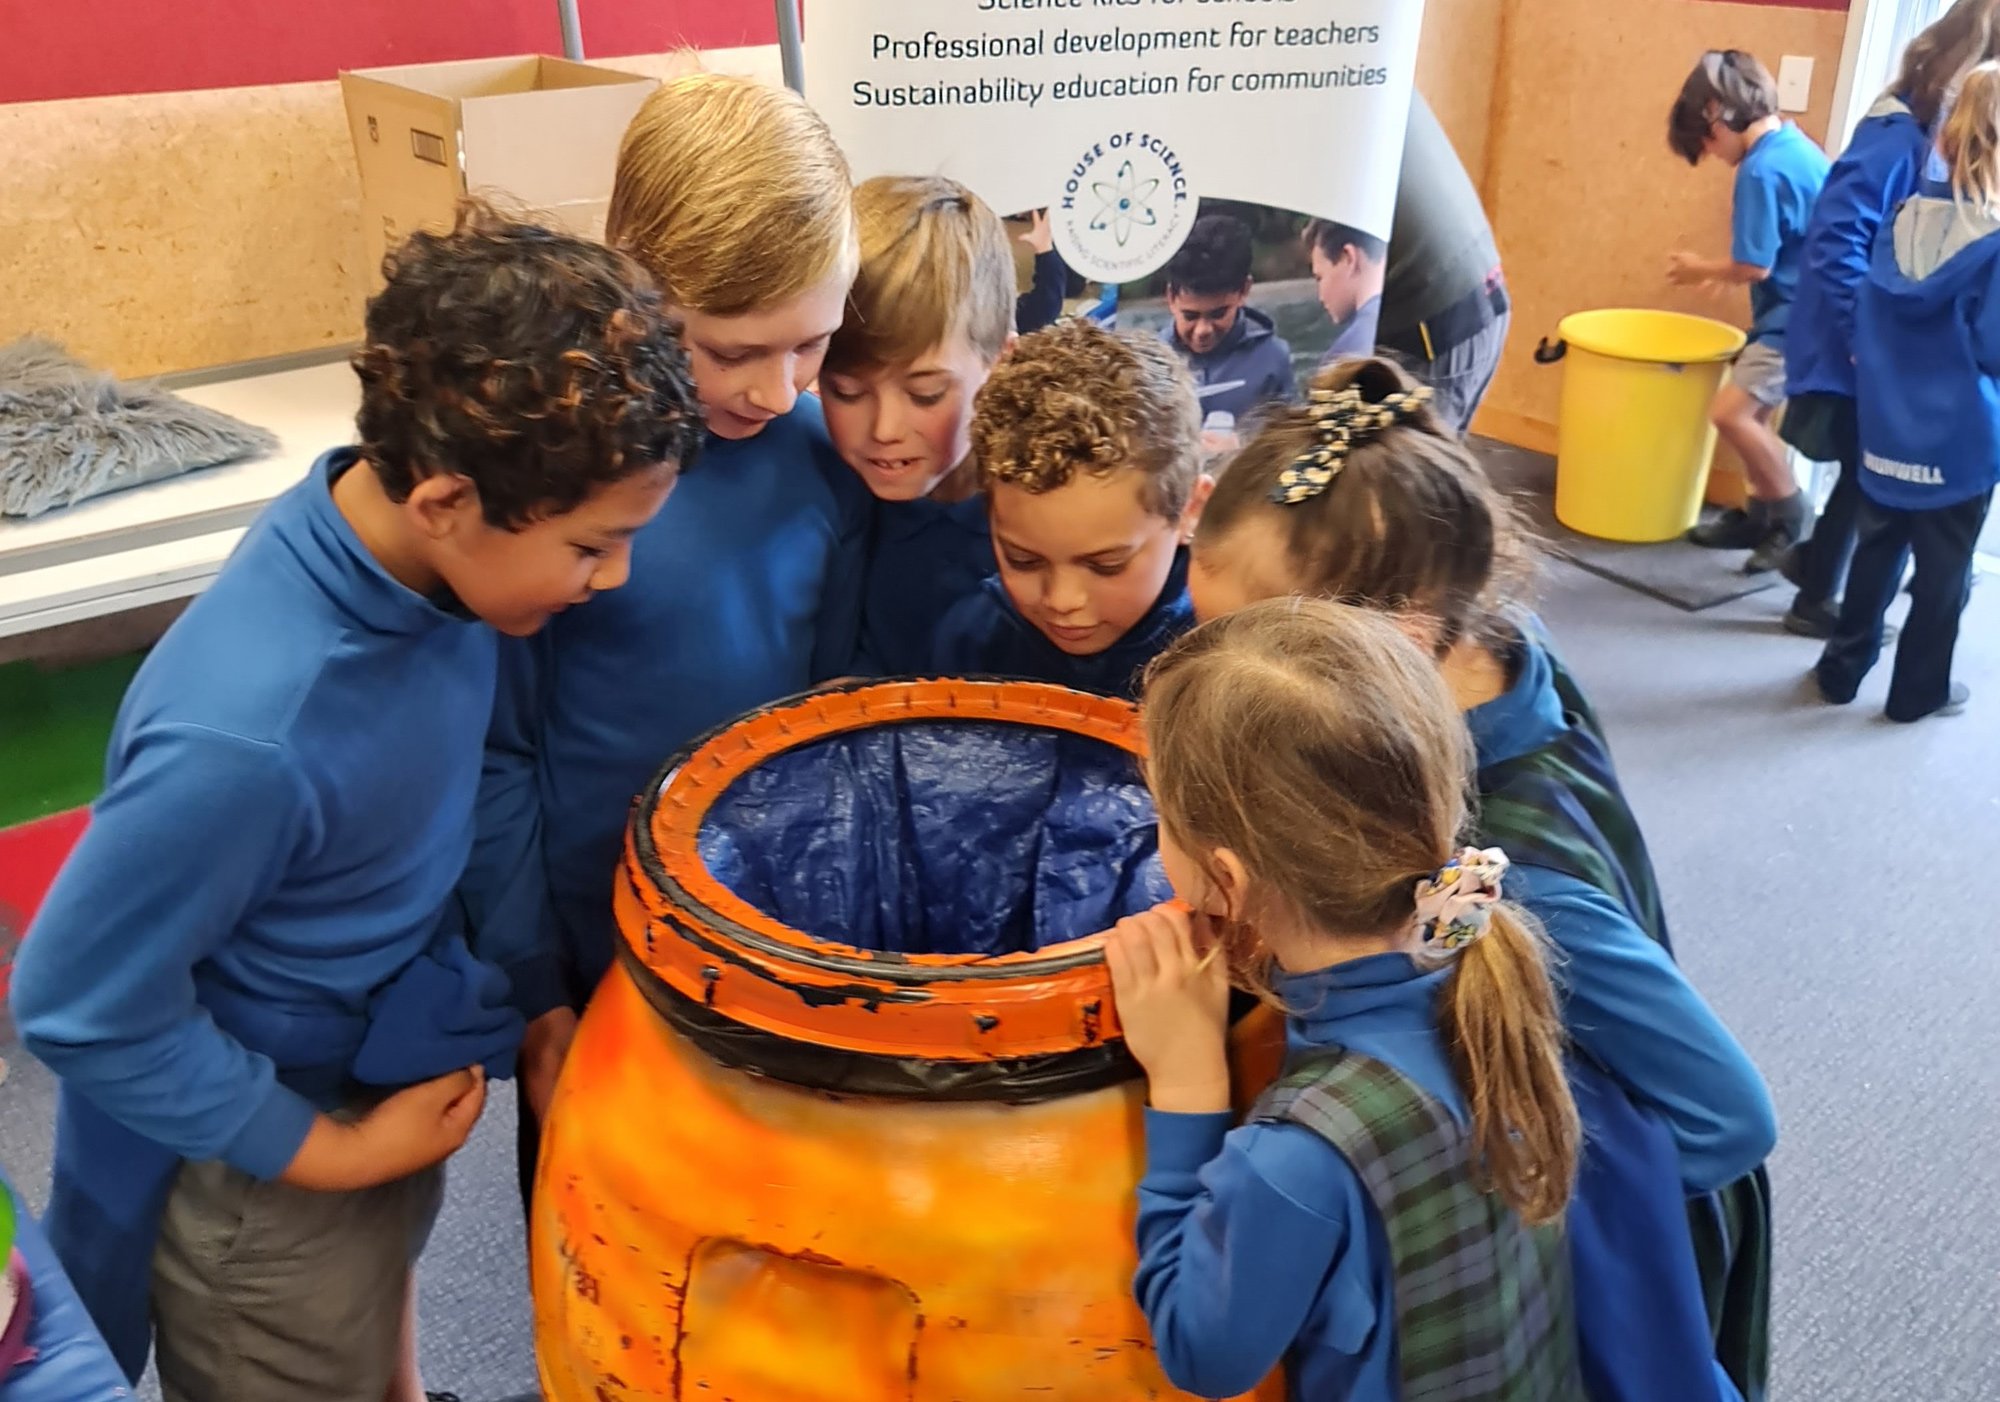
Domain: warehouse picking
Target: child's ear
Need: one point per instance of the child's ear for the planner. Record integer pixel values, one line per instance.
(1007, 346)
(1204, 488)
(443, 503)
(1232, 883)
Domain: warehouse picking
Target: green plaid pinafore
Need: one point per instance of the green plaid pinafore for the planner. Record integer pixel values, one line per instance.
(1483, 1301)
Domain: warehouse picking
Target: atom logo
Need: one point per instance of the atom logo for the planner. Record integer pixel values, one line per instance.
(1125, 204)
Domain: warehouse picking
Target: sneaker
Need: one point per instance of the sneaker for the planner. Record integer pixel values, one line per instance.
(1771, 551)
(1955, 703)
(1811, 620)
(1822, 621)
(1732, 530)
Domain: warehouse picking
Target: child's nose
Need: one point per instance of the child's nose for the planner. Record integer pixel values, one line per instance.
(1066, 592)
(612, 571)
(774, 390)
(888, 419)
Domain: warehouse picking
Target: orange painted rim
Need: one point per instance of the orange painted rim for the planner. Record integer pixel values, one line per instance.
(709, 945)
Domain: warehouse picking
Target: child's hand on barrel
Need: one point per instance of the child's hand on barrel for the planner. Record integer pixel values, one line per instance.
(1173, 1002)
(543, 1051)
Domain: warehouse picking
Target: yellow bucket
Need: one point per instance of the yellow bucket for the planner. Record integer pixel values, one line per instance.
(1635, 440)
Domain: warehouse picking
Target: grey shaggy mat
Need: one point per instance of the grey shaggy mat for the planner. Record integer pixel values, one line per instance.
(69, 433)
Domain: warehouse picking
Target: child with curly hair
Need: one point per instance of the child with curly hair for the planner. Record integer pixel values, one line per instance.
(266, 1045)
(1089, 447)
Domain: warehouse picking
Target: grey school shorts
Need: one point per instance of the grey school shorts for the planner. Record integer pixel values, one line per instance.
(263, 1292)
(1760, 372)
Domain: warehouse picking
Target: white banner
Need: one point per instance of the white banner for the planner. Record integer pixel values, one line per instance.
(1119, 115)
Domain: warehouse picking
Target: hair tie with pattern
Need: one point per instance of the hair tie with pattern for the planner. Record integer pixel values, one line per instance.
(1341, 420)
(1455, 907)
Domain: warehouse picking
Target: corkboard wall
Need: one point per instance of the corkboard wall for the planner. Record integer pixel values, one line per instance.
(1458, 64)
(1585, 197)
(174, 231)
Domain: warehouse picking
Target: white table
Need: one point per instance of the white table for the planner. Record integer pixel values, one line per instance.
(167, 540)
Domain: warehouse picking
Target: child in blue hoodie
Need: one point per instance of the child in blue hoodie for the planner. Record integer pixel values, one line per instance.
(1389, 1222)
(1089, 447)
(1368, 496)
(1238, 359)
(1728, 108)
(268, 1033)
(1927, 357)
(747, 587)
(931, 312)
(1881, 167)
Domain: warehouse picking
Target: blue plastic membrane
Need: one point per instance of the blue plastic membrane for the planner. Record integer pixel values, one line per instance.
(941, 837)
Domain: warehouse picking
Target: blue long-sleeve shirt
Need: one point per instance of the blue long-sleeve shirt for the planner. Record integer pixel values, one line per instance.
(1880, 168)
(1625, 1001)
(924, 559)
(985, 635)
(288, 802)
(1259, 1245)
(744, 589)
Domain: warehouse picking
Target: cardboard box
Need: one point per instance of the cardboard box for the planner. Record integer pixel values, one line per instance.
(534, 132)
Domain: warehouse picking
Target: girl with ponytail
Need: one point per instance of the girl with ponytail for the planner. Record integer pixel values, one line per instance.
(1363, 496)
(1389, 1222)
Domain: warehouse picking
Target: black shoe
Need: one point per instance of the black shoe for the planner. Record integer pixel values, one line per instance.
(1771, 551)
(1827, 693)
(1822, 620)
(1732, 530)
(1955, 702)
(1792, 564)
(1811, 620)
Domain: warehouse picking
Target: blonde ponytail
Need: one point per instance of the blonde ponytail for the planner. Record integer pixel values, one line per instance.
(1970, 141)
(1506, 1038)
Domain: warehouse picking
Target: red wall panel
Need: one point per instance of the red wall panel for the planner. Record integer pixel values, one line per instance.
(88, 48)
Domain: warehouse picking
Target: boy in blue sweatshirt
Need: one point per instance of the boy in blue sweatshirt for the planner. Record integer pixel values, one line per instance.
(1728, 108)
(268, 1034)
(1089, 445)
(747, 588)
(1927, 361)
(931, 312)
(1234, 351)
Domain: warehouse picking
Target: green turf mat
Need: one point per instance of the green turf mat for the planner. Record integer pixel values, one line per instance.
(53, 727)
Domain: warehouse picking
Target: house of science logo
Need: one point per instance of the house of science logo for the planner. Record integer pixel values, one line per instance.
(1126, 205)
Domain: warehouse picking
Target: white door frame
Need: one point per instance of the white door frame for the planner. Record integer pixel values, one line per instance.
(1871, 26)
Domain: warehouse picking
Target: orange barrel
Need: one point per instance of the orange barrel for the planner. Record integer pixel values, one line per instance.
(952, 1224)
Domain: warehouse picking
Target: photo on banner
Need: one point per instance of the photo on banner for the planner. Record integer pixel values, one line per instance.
(1277, 125)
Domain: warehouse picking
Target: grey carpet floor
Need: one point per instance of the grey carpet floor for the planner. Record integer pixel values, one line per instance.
(1826, 873)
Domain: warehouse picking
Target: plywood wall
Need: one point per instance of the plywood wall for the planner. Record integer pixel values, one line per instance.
(1585, 197)
(175, 231)
(1458, 66)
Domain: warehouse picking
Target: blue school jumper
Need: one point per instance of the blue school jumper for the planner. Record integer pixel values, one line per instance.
(925, 559)
(1928, 355)
(1585, 876)
(1249, 368)
(986, 636)
(1260, 1245)
(744, 589)
(1880, 168)
(252, 922)
(1776, 187)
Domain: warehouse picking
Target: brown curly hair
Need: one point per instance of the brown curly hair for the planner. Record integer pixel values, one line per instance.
(1411, 522)
(537, 365)
(1074, 398)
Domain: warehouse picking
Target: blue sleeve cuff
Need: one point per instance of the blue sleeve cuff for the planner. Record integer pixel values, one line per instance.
(1184, 1143)
(272, 1137)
